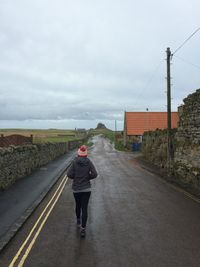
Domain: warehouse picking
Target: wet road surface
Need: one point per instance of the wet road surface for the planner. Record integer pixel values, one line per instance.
(19, 201)
(135, 219)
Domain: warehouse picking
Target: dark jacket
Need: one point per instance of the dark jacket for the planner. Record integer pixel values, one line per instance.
(81, 171)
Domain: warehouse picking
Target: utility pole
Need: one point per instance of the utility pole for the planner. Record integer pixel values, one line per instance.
(169, 138)
(115, 132)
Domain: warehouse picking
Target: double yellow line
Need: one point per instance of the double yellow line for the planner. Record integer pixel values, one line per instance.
(31, 238)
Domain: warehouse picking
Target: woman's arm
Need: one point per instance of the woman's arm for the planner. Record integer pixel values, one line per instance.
(71, 171)
(92, 172)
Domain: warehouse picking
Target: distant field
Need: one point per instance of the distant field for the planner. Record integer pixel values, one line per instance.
(56, 135)
(39, 136)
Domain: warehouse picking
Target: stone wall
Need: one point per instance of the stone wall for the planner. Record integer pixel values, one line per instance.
(187, 153)
(154, 146)
(19, 161)
(186, 145)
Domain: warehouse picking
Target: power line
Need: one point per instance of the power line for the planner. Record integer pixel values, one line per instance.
(153, 75)
(148, 83)
(186, 41)
(187, 62)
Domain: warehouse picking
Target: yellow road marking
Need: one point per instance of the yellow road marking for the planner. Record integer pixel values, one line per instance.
(64, 180)
(40, 228)
(196, 199)
(186, 193)
(176, 188)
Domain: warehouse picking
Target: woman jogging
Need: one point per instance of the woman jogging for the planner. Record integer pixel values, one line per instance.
(81, 171)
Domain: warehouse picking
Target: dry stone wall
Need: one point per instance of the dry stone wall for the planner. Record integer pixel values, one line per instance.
(186, 145)
(187, 154)
(154, 146)
(19, 161)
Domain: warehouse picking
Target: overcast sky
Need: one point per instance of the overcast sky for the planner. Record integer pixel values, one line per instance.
(74, 63)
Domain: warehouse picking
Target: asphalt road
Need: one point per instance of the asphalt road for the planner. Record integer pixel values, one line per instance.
(135, 219)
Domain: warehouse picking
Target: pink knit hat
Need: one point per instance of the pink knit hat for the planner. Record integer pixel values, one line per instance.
(82, 151)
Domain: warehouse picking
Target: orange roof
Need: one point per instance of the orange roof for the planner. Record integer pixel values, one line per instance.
(139, 122)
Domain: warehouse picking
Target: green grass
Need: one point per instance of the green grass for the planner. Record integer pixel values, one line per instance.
(42, 136)
(37, 131)
(110, 135)
(120, 145)
(53, 139)
(89, 144)
(60, 135)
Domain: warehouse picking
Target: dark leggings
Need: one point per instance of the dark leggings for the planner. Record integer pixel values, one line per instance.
(82, 200)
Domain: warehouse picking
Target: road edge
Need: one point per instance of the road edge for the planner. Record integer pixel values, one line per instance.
(27, 213)
(164, 178)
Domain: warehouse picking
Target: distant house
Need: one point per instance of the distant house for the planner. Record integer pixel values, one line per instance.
(136, 123)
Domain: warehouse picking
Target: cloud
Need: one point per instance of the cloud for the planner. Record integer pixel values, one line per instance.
(91, 60)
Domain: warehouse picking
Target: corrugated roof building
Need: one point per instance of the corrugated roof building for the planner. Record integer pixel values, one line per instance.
(136, 123)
